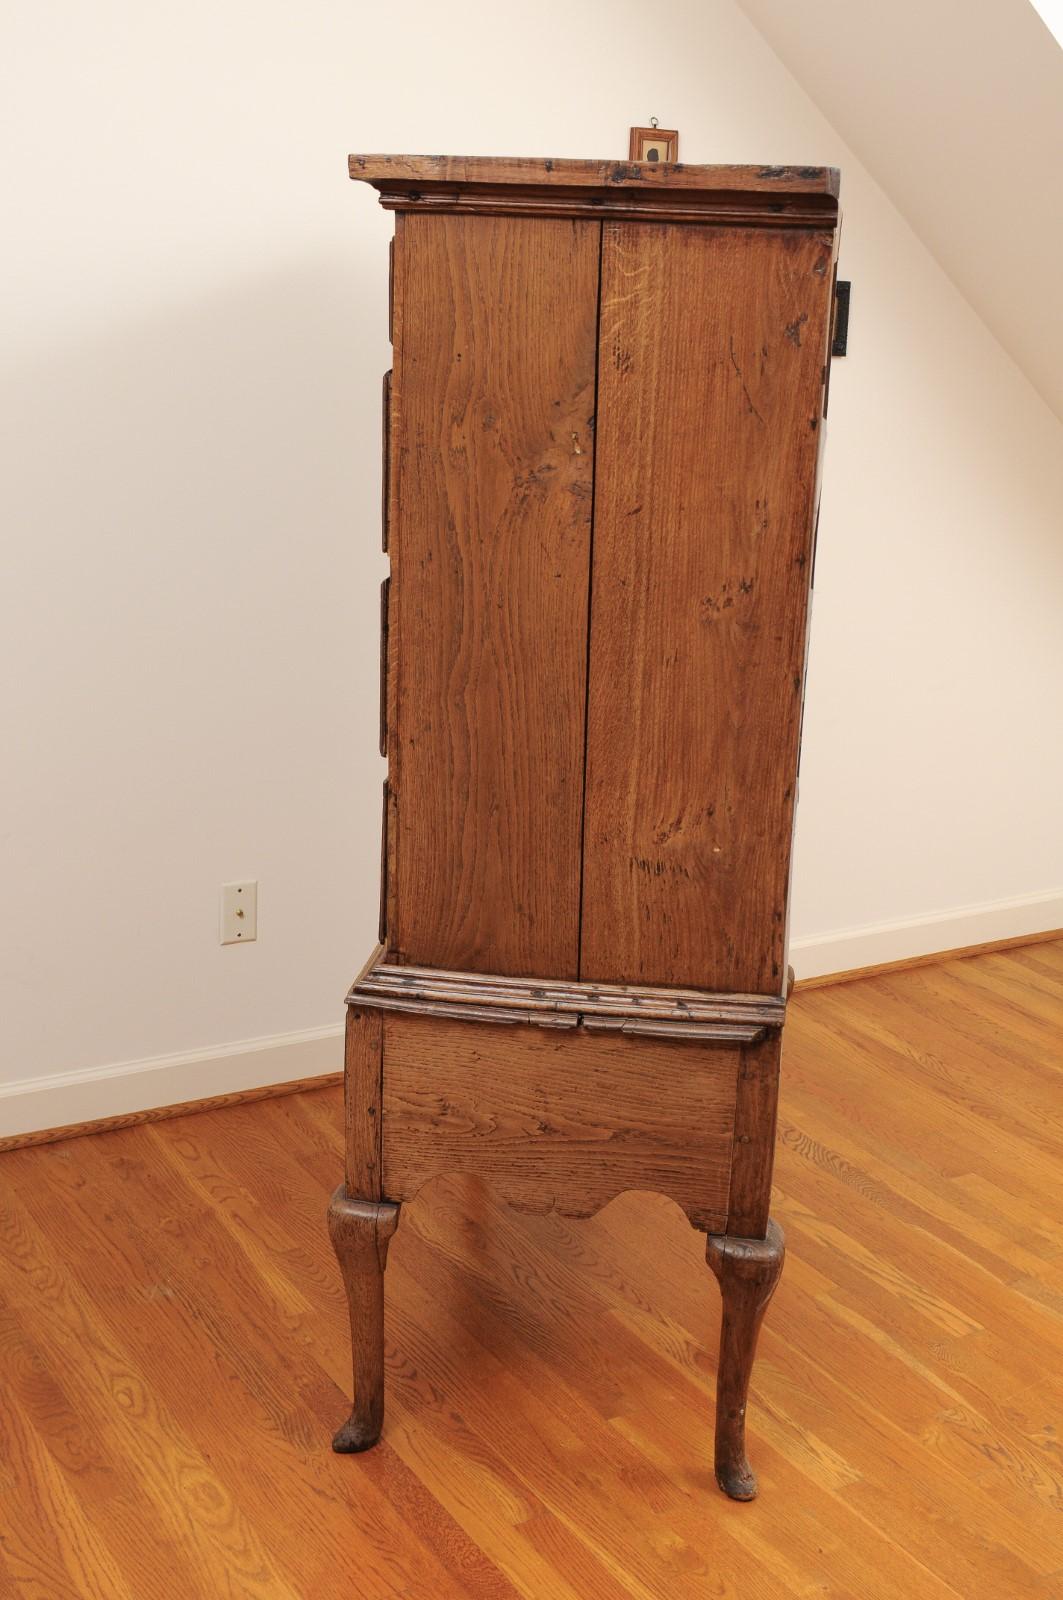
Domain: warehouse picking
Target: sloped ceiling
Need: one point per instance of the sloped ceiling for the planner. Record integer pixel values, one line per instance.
(956, 108)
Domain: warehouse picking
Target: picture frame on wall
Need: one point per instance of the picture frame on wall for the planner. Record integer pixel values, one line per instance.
(654, 144)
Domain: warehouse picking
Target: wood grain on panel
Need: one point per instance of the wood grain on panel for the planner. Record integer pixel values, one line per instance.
(713, 343)
(754, 1145)
(489, 530)
(558, 1121)
(363, 1069)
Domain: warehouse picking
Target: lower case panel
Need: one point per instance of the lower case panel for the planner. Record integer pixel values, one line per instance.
(558, 1121)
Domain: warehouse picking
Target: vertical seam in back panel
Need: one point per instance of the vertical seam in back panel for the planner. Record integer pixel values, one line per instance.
(590, 606)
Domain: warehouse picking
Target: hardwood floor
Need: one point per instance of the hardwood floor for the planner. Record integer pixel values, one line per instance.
(174, 1355)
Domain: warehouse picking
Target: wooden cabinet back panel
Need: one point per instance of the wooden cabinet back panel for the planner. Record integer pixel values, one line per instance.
(558, 1119)
(489, 533)
(713, 343)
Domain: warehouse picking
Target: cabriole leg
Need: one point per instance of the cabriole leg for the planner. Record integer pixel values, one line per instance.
(748, 1270)
(360, 1231)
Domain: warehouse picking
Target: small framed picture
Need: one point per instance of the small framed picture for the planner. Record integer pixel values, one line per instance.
(654, 144)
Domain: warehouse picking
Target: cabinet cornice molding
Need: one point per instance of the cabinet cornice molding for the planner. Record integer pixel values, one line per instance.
(624, 190)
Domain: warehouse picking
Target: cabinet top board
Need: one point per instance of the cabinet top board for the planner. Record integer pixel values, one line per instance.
(550, 185)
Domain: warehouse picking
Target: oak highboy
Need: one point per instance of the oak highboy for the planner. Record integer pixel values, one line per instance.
(602, 433)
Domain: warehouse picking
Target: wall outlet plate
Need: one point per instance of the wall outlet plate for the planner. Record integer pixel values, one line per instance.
(239, 912)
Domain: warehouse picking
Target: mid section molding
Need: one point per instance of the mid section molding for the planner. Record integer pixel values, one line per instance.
(564, 1003)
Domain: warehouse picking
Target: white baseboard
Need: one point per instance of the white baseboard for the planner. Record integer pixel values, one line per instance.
(116, 1090)
(130, 1086)
(876, 943)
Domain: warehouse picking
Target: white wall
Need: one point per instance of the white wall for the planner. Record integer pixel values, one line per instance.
(192, 512)
(952, 106)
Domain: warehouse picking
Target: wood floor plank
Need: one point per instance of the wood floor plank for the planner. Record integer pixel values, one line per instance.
(58, 1553)
(174, 1348)
(415, 1507)
(190, 1502)
(262, 1384)
(824, 1347)
(375, 1526)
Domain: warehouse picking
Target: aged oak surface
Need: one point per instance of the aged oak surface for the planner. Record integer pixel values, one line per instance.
(748, 1270)
(686, 1013)
(713, 349)
(492, 446)
(541, 187)
(602, 435)
(361, 1231)
(580, 1119)
(175, 1351)
(423, 173)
